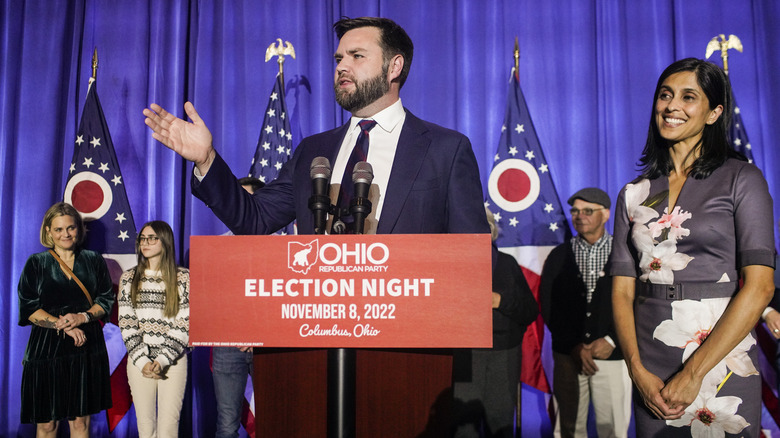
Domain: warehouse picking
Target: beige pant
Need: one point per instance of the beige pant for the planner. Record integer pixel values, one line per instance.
(609, 390)
(158, 402)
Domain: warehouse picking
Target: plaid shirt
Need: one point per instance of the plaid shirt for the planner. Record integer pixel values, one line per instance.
(591, 259)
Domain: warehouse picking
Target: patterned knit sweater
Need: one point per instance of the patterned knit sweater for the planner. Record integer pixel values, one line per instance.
(149, 336)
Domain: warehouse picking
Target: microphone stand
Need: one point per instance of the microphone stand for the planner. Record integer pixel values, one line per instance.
(341, 393)
(342, 361)
(341, 386)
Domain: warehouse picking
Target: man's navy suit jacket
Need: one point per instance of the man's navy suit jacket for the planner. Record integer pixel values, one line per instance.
(434, 186)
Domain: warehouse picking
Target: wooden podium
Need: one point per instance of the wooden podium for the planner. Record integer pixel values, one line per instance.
(399, 393)
(399, 302)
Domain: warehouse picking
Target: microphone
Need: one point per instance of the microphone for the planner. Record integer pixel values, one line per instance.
(319, 202)
(360, 206)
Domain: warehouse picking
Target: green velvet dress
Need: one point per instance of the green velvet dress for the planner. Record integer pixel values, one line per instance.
(59, 380)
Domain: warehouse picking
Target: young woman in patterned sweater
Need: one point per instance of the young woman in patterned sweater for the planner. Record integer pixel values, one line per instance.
(154, 319)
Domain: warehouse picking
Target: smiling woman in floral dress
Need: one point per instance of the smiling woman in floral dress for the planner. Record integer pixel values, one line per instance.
(696, 221)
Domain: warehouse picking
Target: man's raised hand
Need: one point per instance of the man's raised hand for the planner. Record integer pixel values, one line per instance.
(191, 140)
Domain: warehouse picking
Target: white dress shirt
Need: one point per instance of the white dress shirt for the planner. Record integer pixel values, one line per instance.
(383, 142)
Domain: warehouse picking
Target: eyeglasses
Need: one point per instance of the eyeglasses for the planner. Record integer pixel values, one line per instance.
(151, 240)
(584, 211)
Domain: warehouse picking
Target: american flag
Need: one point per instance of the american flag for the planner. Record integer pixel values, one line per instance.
(525, 205)
(273, 149)
(96, 189)
(738, 134)
(275, 144)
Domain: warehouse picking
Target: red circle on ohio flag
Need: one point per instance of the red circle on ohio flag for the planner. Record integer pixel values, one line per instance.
(514, 185)
(90, 194)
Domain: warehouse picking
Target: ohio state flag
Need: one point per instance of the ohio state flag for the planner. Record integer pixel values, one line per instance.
(527, 210)
(96, 189)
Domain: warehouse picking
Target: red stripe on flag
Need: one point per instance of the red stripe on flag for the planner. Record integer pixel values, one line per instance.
(531, 371)
(768, 348)
(770, 401)
(120, 396)
(248, 419)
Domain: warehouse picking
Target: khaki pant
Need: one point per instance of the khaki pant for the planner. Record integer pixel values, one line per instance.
(158, 402)
(609, 390)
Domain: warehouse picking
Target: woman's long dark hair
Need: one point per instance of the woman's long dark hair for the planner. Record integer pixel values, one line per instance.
(168, 268)
(714, 144)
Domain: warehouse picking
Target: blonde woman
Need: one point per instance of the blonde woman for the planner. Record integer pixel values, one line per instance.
(154, 319)
(63, 292)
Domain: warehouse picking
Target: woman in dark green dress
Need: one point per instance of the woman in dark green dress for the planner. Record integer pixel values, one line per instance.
(63, 292)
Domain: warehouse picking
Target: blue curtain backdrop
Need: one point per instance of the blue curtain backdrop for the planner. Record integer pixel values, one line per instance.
(587, 68)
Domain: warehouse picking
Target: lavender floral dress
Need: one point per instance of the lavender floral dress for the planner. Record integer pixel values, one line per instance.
(687, 263)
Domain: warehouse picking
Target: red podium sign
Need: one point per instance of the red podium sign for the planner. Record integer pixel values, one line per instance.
(367, 291)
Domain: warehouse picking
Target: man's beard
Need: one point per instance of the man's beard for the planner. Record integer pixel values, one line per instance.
(366, 92)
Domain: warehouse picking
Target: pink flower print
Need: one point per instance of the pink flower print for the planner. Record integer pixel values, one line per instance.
(672, 224)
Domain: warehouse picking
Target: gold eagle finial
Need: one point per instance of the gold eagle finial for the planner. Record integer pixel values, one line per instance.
(280, 51)
(724, 45)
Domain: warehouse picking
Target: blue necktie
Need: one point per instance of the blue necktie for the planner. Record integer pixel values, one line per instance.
(359, 153)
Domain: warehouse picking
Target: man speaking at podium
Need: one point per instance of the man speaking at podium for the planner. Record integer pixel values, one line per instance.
(426, 178)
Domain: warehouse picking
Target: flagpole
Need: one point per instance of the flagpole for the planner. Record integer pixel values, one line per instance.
(94, 63)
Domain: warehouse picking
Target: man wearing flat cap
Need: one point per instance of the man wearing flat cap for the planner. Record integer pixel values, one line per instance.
(576, 299)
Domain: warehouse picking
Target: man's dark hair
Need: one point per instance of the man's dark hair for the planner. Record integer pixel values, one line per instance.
(253, 182)
(392, 38)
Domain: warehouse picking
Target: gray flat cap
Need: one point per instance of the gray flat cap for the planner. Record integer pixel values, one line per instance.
(591, 194)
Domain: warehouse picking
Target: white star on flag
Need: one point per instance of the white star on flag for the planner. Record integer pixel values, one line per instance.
(529, 155)
(95, 142)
